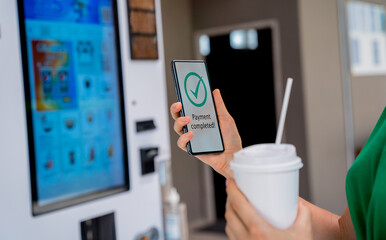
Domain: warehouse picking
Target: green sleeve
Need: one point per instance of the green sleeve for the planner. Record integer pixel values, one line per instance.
(366, 186)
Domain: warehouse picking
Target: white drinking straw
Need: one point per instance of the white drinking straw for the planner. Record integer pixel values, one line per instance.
(283, 113)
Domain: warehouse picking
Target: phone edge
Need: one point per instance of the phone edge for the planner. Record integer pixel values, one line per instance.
(179, 99)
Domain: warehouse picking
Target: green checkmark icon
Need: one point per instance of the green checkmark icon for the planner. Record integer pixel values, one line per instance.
(195, 93)
(190, 77)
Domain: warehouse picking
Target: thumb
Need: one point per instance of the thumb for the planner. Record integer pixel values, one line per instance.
(219, 102)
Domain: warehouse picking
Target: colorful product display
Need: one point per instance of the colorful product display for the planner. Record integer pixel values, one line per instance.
(75, 106)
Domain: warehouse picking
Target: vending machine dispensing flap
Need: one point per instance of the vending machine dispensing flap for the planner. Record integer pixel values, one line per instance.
(147, 159)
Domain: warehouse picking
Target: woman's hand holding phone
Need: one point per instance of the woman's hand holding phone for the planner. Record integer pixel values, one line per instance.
(232, 141)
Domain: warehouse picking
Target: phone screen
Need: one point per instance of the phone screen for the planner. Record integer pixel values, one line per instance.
(194, 92)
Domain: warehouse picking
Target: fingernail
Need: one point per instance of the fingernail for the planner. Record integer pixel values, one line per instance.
(185, 120)
(189, 134)
(227, 182)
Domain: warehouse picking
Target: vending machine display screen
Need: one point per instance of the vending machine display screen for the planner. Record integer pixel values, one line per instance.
(74, 101)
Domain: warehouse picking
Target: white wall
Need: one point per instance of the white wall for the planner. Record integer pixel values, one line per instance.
(322, 85)
(369, 100)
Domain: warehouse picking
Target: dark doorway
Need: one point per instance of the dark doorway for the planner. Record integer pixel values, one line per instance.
(245, 78)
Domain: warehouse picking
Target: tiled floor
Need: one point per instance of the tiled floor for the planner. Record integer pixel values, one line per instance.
(208, 231)
(206, 236)
(213, 234)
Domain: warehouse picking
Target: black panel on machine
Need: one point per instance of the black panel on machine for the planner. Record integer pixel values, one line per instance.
(147, 159)
(100, 228)
(145, 125)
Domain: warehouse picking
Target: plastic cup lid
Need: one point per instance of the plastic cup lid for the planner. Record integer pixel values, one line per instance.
(267, 156)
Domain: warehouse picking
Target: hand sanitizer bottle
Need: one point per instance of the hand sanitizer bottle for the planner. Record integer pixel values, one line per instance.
(172, 217)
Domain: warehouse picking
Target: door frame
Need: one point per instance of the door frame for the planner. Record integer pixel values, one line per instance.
(346, 82)
(207, 176)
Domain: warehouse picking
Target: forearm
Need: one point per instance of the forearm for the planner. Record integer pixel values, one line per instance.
(325, 225)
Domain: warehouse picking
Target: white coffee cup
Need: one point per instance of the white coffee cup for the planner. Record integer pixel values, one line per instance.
(268, 175)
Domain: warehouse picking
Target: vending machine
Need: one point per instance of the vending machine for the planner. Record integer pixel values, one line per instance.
(81, 122)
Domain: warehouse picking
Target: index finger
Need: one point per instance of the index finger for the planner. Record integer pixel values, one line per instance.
(243, 207)
(175, 109)
(219, 102)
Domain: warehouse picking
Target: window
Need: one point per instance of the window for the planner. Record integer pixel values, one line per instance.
(367, 35)
(244, 39)
(204, 44)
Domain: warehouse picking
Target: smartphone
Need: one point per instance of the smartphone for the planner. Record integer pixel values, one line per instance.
(193, 90)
